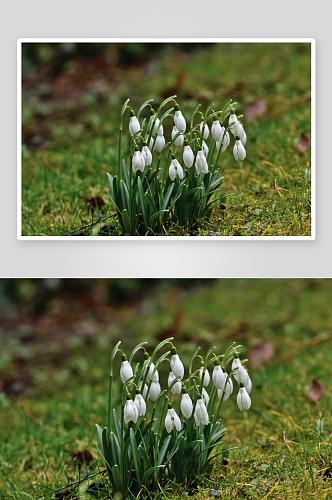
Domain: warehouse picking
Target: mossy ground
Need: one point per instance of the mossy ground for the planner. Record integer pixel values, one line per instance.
(70, 135)
(54, 370)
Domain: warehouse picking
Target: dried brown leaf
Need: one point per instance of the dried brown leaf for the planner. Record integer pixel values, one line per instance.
(304, 143)
(316, 390)
(255, 110)
(261, 353)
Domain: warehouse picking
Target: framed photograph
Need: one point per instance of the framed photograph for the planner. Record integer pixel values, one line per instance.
(166, 138)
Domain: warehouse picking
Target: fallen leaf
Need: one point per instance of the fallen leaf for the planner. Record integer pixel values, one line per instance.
(316, 390)
(304, 143)
(82, 457)
(261, 353)
(95, 202)
(275, 185)
(255, 109)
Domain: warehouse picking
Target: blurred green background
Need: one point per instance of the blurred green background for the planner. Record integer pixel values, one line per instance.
(72, 94)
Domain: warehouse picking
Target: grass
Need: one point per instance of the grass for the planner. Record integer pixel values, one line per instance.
(71, 133)
(55, 369)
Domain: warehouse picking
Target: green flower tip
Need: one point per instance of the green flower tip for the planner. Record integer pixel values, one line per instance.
(177, 107)
(215, 117)
(146, 356)
(132, 112)
(184, 390)
(232, 111)
(136, 147)
(237, 137)
(174, 351)
(186, 143)
(202, 118)
(128, 396)
(236, 356)
(170, 406)
(145, 143)
(137, 391)
(216, 362)
(241, 385)
(200, 396)
(173, 158)
(124, 357)
(202, 363)
(152, 112)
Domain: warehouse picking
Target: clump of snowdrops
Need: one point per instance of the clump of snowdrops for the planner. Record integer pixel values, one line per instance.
(163, 183)
(142, 451)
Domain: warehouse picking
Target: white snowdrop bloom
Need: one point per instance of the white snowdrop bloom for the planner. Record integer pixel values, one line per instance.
(248, 384)
(176, 364)
(175, 169)
(172, 420)
(138, 162)
(179, 120)
(206, 376)
(217, 131)
(201, 414)
(160, 143)
(226, 141)
(130, 412)
(126, 370)
(243, 137)
(176, 389)
(151, 368)
(243, 398)
(241, 374)
(201, 163)
(180, 138)
(205, 148)
(205, 396)
(186, 405)
(206, 130)
(145, 390)
(228, 389)
(218, 377)
(235, 124)
(188, 156)
(154, 391)
(238, 151)
(159, 130)
(134, 125)
(140, 404)
(147, 155)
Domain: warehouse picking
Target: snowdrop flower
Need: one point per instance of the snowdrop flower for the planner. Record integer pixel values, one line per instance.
(145, 390)
(159, 144)
(176, 389)
(206, 129)
(218, 376)
(206, 375)
(205, 397)
(175, 169)
(188, 155)
(156, 122)
(180, 138)
(179, 120)
(216, 130)
(243, 398)
(154, 391)
(241, 374)
(248, 384)
(134, 125)
(201, 414)
(225, 142)
(151, 366)
(228, 390)
(238, 150)
(130, 411)
(147, 155)
(237, 128)
(138, 162)
(140, 404)
(205, 148)
(201, 163)
(126, 370)
(186, 404)
(172, 420)
(176, 364)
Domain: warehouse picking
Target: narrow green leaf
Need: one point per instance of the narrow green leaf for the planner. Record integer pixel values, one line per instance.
(135, 455)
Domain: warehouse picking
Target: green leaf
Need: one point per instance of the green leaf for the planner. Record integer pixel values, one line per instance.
(134, 351)
(148, 473)
(265, 466)
(142, 201)
(100, 433)
(126, 221)
(117, 478)
(135, 455)
(143, 106)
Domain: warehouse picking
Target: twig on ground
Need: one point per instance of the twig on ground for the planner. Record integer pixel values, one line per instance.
(89, 225)
(72, 484)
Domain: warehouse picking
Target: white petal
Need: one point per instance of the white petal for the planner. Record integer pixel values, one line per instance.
(206, 130)
(134, 125)
(206, 376)
(168, 422)
(241, 151)
(180, 172)
(160, 143)
(248, 385)
(188, 156)
(179, 121)
(177, 366)
(126, 371)
(205, 396)
(246, 401)
(186, 405)
(205, 149)
(154, 391)
(177, 422)
(172, 172)
(217, 131)
(235, 152)
(239, 400)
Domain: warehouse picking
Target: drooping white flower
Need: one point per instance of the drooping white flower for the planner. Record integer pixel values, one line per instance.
(154, 391)
(225, 141)
(238, 151)
(216, 130)
(188, 155)
(186, 405)
(201, 163)
(175, 169)
(243, 398)
(134, 125)
(176, 364)
(235, 124)
(176, 389)
(130, 412)
(248, 384)
(147, 155)
(150, 371)
(138, 162)
(145, 390)
(172, 420)
(218, 377)
(205, 396)
(205, 149)
(179, 120)
(159, 144)
(243, 137)
(240, 375)
(206, 130)
(201, 414)
(206, 376)
(126, 370)
(228, 389)
(140, 404)
(180, 138)
(159, 130)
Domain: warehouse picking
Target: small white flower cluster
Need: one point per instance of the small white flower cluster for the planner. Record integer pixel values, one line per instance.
(151, 390)
(155, 132)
